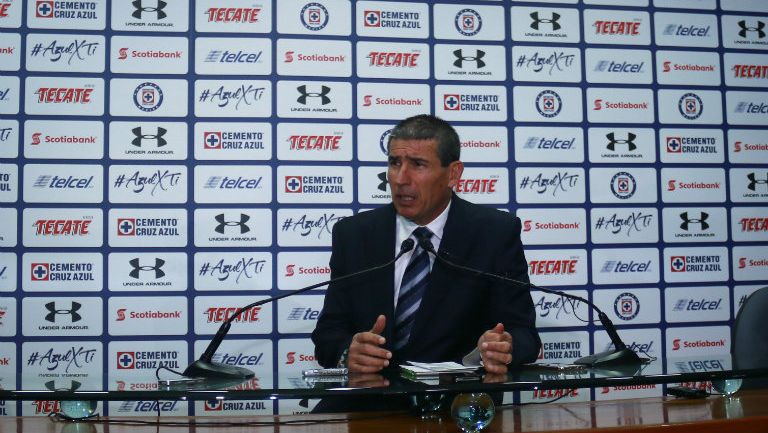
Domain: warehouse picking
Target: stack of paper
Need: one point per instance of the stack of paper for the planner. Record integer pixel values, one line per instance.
(433, 369)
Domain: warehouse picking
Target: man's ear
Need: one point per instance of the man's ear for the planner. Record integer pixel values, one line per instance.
(455, 169)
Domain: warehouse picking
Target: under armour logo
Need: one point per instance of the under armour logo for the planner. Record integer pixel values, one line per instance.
(461, 58)
(223, 223)
(73, 386)
(137, 268)
(52, 312)
(323, 95)
(702, 220)
(759, 29)
(140, 137)
(140, 9)
(383, 178)
(753, 181)
(613, 141)
(537, 21)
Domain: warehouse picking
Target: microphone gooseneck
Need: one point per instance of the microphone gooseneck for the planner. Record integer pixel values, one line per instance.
(621, 355)
(204, 367)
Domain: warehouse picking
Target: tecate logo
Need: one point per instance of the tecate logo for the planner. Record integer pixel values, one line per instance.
(51, 227)
(750, 71)
(628, 28)
(64, 95)
(552, 267)
(393, 59)
(220, 314)
(233, 15)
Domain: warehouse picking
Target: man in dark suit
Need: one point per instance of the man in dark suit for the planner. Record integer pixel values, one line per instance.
(424, 310)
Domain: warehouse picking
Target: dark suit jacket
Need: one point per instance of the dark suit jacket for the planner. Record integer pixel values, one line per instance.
(457, 307)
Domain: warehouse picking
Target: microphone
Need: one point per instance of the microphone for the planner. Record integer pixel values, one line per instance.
(621, 355)
(206, 368)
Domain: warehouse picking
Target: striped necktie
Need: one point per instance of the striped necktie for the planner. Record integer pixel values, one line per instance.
(412, 289)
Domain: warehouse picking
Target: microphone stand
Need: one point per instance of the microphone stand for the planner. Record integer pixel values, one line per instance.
(621, 355)
(204, 367)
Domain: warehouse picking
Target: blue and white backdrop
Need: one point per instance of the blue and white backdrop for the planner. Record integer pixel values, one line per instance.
(163, 162)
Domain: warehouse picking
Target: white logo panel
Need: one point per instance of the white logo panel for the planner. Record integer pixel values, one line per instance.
(392, 19)
(686, 30)
(747, 146)
(372, 142)
(148, 140)
(618, 105)
(150, 16)
(703, 340)
(693, 4)
(744, 32)
(315, 99)
(233, 98)
(705, 185)
(483, 143)
(298, 314)
(744, 5)
(471, 103)
(301, 269)
(240, 227)
(557, 267)
(9, 183)
(469, 62)
(394, 60)
(233, 271)
(80, 15)
(233, 16)
(63, 183)
(484, 185)
(372, 185)
(687, 68)
(154, 315)
(630, 306)
(314, 58)
(748, 184)
(62, 227)
(555, 144)
(553, 226)
(695, 224)
(549, 185)
(465, 22)
(618, 66)
(622, 185)
(749, 224)
(314, 184)
(314, 142)
(233, 141)
(747, 108)
(314, 18)
(9, 98)
(55, 317)
(554, 311)
(233, 184)
(65, 53)
(624, 226)
(307, 227)
(211, 311)
(147, 272)
(9, 138)
(691, 146)
(547, 104)
(702, 264)
(625, 266)
(149, 55)
(392, 101)
(233, 56)
(51, 139)
(622, 145)
(697, 304)
(690, 107)
(148, 97)
(62, 272)
(58, 96)
(143, 228)
(745, 70)
(147, 184)
(617, 27)
(542, 63)
(535, 24)
(750, 263)
(8, 277)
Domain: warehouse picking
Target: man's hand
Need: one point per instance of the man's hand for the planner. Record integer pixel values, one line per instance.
(365, 355)
(495, 348)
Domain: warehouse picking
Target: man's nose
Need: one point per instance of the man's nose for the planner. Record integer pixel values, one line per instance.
(399, 175)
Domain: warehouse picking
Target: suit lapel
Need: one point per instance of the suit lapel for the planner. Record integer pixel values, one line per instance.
(379, 247)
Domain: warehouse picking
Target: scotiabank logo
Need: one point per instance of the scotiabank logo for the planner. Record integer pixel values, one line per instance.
(64, 95)
(601, 104)
(292, 358)
(479, 186)
(369, 100)
(52, 227)
(529, 225)
(64, 139)
(233, 15)
(745, 262)
(292, 269)
(123, 314)
(607, 27)
(678, 343)
(686, 67)
(674, 185)
(552, 267)
(123, 54)
(220, 314)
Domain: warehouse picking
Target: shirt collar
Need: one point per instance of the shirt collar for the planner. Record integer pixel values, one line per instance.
(405, 227)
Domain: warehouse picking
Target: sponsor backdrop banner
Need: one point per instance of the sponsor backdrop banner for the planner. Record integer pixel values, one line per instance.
(164, 162)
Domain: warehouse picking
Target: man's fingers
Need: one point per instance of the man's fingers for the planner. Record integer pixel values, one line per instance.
(368, 338)
(378, 326)
(497, 346)
(499, 328)
(361, 363)
(371, 350)
(495, 368)
(496, 357)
